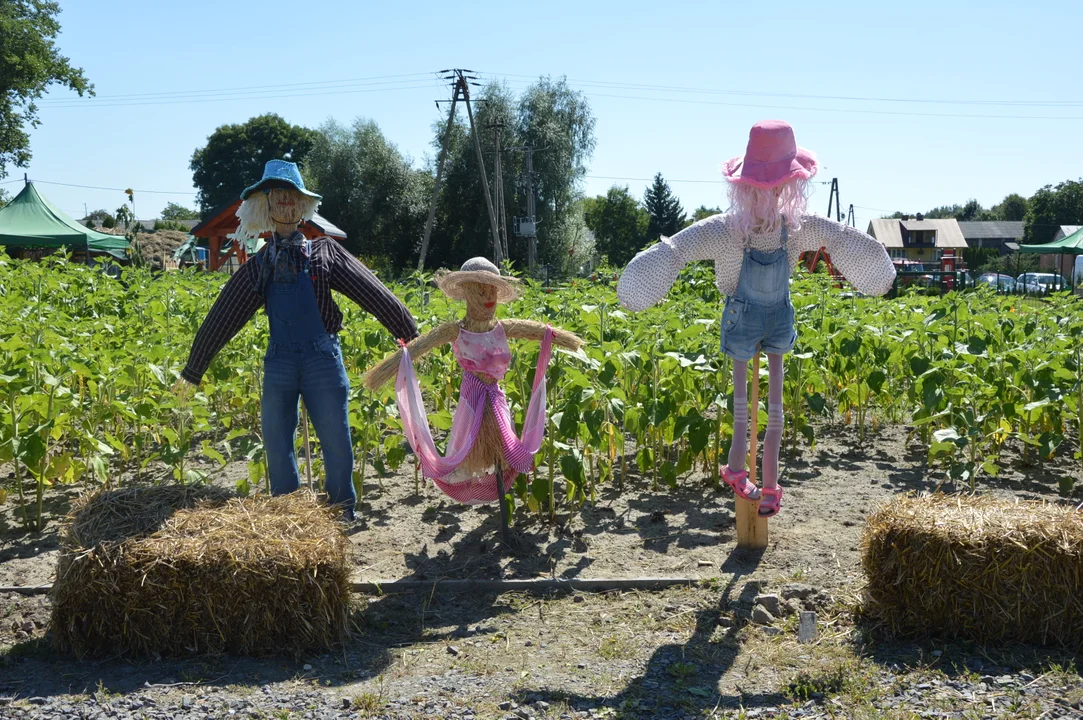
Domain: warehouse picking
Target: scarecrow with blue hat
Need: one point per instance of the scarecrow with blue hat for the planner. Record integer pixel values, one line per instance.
(291, 278)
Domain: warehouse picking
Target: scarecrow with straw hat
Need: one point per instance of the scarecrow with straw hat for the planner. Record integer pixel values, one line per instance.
(292, 277)
(484, 455)
(755, 246)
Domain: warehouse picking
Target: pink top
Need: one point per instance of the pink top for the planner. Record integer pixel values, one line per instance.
(487, 353)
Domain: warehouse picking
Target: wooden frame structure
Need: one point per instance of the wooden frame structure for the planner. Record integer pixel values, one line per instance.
(223, 221)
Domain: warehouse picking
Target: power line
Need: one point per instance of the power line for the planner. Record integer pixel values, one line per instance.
(135, 190)
(758, 93)
(650, 179)
(230, 98)
(264, 88)
(839, 110)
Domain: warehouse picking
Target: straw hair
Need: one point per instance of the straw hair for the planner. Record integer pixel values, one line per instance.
(477, 270)
(255, 215)
(182, 570)
(975, 568)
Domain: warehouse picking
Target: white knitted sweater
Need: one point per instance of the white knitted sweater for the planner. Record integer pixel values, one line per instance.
(859, 257)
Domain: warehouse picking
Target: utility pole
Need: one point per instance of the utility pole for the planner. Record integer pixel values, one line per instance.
(527, 226)
(834, 195)
(497, 127)
(532, 240)
(460, 90)
(851, 220)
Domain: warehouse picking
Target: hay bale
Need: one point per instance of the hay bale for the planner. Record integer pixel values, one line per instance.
(179, 570)
(975, 568)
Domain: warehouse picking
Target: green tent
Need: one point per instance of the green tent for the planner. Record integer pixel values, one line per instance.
(30, 220)
(1068, 245)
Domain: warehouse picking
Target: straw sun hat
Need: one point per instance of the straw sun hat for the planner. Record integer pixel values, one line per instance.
(477, 270)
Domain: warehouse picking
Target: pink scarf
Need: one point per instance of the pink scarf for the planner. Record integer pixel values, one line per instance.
(485, 353)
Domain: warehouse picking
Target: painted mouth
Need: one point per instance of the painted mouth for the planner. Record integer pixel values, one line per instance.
(490, 305)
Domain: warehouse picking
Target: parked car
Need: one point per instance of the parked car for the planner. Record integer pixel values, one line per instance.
(1041, 283)
(912, 266)
(999, 282)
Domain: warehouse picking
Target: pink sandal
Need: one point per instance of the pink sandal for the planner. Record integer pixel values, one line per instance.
(773, 505)
(740, 484)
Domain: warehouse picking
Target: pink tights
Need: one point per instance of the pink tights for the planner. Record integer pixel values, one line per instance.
(772, 440)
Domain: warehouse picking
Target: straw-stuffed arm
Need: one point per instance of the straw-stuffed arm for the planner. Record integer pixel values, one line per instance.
(378, 376)
(532, 330)
(861, 259)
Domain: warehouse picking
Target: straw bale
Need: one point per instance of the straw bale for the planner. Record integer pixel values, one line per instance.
(180, 570)
(975, 568)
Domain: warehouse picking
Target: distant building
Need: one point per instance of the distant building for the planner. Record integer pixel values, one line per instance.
(1062, 264)
(918, 239)
(992, 234)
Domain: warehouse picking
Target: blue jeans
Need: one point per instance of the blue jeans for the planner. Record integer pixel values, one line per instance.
(311, 369)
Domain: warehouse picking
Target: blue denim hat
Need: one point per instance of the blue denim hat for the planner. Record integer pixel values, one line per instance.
(280, 171)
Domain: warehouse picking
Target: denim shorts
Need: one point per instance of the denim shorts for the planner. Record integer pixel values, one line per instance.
(746, 325)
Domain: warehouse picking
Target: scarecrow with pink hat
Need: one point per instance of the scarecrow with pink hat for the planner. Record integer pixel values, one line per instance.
(755, 246)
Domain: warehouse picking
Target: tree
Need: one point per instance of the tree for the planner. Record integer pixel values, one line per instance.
(234, 156)
(666, 213)
(173, 212)
(100, 217)
(462, 228)
(29, 63)
(971, 211)
(1012, 207)
(558, 121)
(704, 212)
(369, 190)
(1051, 207)
(4, 199)
(619, 224)
(549, 117)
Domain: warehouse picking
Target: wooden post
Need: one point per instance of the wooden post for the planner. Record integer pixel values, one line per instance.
(751, 528)
(308, 447)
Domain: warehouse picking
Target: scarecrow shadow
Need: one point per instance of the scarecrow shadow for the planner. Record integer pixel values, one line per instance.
(686, 676)
(479, 553)
(684, 519)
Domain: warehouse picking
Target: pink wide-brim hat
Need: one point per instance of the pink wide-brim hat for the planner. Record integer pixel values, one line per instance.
(771, 158)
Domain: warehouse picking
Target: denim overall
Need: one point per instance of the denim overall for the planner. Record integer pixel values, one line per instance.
(760, 313)
(304, 359)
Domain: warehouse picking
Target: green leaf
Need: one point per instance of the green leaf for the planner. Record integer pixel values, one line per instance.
(816, 403)
(875, 380)
(850, 346)
(919, 365)
(100, 468)
(539, 489)
(212, 453)
(571, 467)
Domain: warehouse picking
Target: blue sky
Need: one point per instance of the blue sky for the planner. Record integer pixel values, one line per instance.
(917, 68)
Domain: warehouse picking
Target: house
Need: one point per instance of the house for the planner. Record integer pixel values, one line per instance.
(992, 234)
(918, 239)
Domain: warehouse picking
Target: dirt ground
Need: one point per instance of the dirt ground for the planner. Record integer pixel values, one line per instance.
(682, 652)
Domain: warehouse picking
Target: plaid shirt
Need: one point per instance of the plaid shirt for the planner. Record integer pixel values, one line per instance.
(332, 269)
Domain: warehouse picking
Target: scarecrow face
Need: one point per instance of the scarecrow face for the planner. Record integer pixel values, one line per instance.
(480, 300)
(285, 205)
